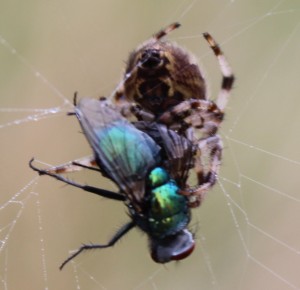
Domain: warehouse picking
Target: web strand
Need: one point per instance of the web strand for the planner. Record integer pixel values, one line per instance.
(248, 225)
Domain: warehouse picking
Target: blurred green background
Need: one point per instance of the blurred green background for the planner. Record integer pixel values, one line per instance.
(247, 230)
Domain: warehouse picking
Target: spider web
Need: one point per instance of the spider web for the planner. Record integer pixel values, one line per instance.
(247, 230)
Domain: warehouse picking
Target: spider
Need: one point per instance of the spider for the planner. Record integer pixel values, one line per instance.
(165, 91)
(163, 83)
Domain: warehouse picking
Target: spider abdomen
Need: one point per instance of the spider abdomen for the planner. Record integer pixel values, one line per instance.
(162, 75)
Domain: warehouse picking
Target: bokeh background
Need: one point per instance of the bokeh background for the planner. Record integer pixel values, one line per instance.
(248, 228)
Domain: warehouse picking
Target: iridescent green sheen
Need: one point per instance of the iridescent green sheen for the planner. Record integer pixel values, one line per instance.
(127, 148)
(168, 211)
(158, 176)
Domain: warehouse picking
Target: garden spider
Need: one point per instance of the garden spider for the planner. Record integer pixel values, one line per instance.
(163, 87)
(163, 83)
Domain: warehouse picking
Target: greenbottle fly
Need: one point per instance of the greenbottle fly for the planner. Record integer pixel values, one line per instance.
(150, 165)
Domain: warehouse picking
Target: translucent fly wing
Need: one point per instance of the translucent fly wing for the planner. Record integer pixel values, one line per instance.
(125, 153)
(180, 152)
(177, 151)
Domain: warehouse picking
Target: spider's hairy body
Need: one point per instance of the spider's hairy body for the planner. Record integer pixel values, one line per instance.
(163, 75)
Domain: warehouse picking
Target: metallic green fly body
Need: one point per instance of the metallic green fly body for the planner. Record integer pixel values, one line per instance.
(150, 164)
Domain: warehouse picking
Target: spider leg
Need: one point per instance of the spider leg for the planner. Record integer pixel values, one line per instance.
(160, 34)
(95, 190)
(129, 110)
(87, 162)
(228, 77)
(199, 114)
(206, 180)
(84, 166)
(117, 236)
(141, 114)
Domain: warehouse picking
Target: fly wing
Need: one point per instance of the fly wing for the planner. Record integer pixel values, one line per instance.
(180, 152)
(177, 151)
(123, 152)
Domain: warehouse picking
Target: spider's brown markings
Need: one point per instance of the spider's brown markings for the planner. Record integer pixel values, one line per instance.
(163, 82)
(161, 75)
